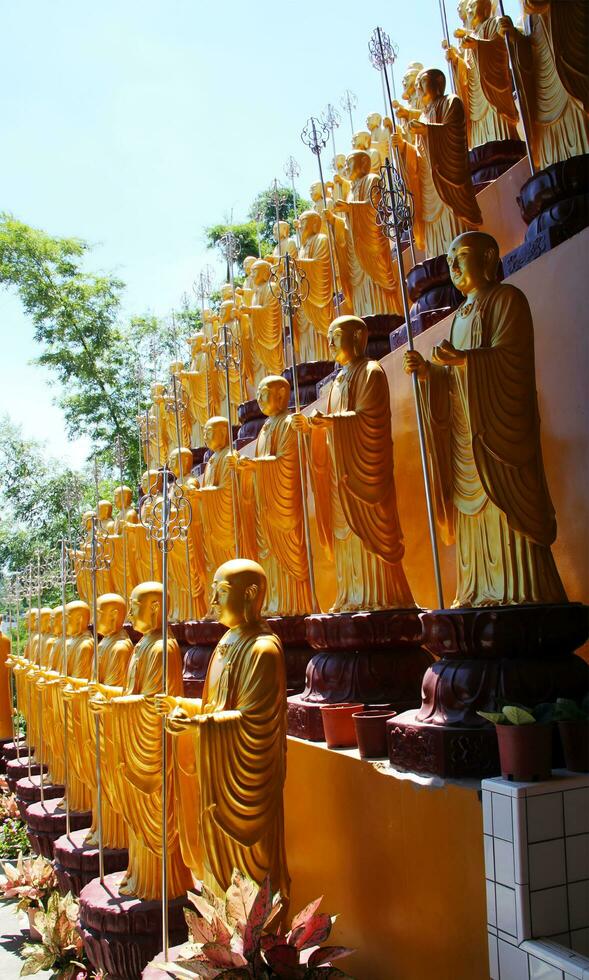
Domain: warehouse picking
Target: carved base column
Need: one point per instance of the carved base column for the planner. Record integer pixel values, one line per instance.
(9, 750)
(122, 935)
(488, 657)
(29, 791)
(433, 297)
(489, 160)
(18, 768)
(202, 636)
(297, 652)
(368, 657)
(46, 823)
(76, 863)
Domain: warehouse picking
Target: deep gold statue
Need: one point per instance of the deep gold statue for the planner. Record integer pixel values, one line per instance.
(373, 276)
(5, 685)
(412, 98)
(122, 558)
(484, 438)
(186, 561)
(279, 504)
(355, 498)
(437, 168)
(148, 557)
(284, 243)
(380, 131)
(240, 740)
(135, 765)
(266, 320)
(317, 307)
(216, 501)
(179, 420)
(155, 441)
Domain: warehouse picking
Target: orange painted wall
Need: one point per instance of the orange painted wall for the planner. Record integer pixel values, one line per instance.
(402, 864)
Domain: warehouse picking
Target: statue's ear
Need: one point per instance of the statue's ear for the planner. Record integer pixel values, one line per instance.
(251, 592)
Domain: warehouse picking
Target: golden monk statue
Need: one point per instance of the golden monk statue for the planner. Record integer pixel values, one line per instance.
(316, 194)
(284, 243)
(123, 565)
(177, 409)
(196, 382)
(437, 169)
(355, 497)
(148, 557)
(317, 306)
(216, 499)
(134, 765)
(556, 43)
(380, 132)
(114, 654)
(482, 418)
(186, 561)
(52, 739)
(373, 276)
(483, 77)
(5, 685)
(362, 140)
(279, 504)
(155, 442)
(412, 98)
(266, 321)
(21, 669)
(228, 317)
(240, 740)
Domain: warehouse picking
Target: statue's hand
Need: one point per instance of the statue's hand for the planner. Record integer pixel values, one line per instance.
(178, 722)
(99, 705)
(68, 693)
(458, 33)
(504, 26)
(341, 206)
(446, 354)
(233, 461)
(414, 363)
(416, 126)
(468, 41)
(402, 113)
(451, 52)
(397, 140)
(319, 420)
(164, 704)
(300, 422)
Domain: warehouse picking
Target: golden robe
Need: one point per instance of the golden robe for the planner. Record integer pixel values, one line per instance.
(80, 650)
(5, 689)
(438, 174)
(155, 442)
(373, 277)
(317, 307)
(355, 497)
(266, 318)
(485, 86)
(186, 563)
(279, 519)
(241, 761)
(133, 746)
(484, 440)
(197, 386)
(178, 427)
(217, 513)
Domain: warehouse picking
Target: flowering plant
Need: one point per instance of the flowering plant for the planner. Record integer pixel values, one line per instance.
(61, 947)
(8, 807)
(31, 881)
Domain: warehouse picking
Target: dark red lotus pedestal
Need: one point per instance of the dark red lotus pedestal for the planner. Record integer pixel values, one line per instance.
(46, 823)
(365, 657)
(202, 637)
(18, 768)
(9, 749)
(122, 935)
(433, 297)
(76, 863)
(292, 631)
(488, 657)
(29, 791)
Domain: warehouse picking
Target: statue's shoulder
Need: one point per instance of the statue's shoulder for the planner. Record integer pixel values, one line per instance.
(267, 642)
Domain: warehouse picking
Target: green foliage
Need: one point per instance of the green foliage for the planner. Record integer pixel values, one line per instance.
(247, 240)
(511, 714)
(61, 948)
(263, 210)
(13, 838)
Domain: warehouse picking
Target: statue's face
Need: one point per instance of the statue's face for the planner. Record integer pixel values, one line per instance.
(260, 275)
(227, 601)
(340, 341)
(466, 265)
(306, 228)
(427, 88)
(108, 618)
(374, 120)
(76, 622)
(105, 511)
(57, 623)
(477, 12)
(45, 624)
(216, 436)
(270, 398)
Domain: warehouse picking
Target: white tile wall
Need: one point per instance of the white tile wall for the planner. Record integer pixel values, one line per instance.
(536, 845)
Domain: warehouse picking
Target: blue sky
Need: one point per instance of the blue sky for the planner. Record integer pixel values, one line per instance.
(136, 124)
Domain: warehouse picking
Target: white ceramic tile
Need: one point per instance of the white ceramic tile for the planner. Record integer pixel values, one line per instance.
(576, 810)
(502, 823)
(487, 813)
(577, 851)
(520, 839)
(561, 780)
(507, 938)
(522, 912)
(547, 864)
(541, 970)
(505, 899)
(555, 954)
(544, 815)
(489, 857)
(491, 908)
(504, 871)
(579, 905)
(549, 911)
(580, 941)
(513, 962)
(493, 958)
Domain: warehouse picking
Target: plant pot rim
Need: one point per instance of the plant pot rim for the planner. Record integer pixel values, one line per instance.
(374, 713)
(342, 706)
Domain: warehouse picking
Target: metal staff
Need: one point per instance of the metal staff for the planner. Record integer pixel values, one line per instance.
(165, 531)
(66, 764)
(40, 696)
(518, 97)
(331, 118)
(203, 291)
(446, 33)
(291, 289)
(120, 459)
(349, 102)
(178, 406)
(394, 213)
(382, 53)
(315, 135)
(292, 170)
(230, 248)
(30, 644)
(10, 678)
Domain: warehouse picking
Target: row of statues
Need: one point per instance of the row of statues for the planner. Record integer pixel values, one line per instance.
(481, 413)
(224, 808)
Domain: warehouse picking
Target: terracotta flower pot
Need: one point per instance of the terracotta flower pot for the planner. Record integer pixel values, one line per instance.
(338, 724)
(34, 933)
(371, 732)
(525, 752)
(574, 736)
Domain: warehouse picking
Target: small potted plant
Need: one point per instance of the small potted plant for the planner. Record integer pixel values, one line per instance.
(338, 725)
(371, 731)
(524, 736)
(573, 727)
(61, 948)
(31, 881)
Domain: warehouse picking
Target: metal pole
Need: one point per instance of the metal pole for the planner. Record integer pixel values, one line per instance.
(65, 703)
(190, 603)
(231, 444)
(418, 407)
(446, 34)
(147, 423)
(94, 568)
(166, 521)
(331, 234)
(518, 98)
(30, 592)
(40, 695)
(16, 699)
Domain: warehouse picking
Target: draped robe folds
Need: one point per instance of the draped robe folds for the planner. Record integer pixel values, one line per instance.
(157, 447)
(483, 433)
(485, 87)
(197, 387)
(267, 330)
(438, 174)
(317, 307)
(80, 651)
(147, 555)
(114, 653)
(374, 279)
(355, 496)
(557, 92)
(186, 563)
(133, 746)
(241, 761)
(217, 513)
(180, 426)
(279, 519)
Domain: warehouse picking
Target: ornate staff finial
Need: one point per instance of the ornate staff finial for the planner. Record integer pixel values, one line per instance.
(292, 170)
(331, 118)
(349, 102)
(202, 287)
(315, 135)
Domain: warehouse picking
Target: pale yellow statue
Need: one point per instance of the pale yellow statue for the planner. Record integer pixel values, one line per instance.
(21, 670)
(156, 440)
(353, 475)
(148, 557)
(413, 107)
(123, 569)
(52, 738)
(483, 77)
(229, 318)
(244, 296)
(317, 306)
(266, 318)
(239, 729)
(179, 420)
(186, 561)
(316, 195)
(481, 411)
(114, 653)
(134, 765)
(380, 132)
(555, 49)
(284, 243)
(373, 277)
(279, 504)
(362, 140)
(196, 382)
(437, 169)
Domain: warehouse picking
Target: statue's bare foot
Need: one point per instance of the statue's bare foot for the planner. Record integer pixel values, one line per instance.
(126, 889)
(92, 839)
